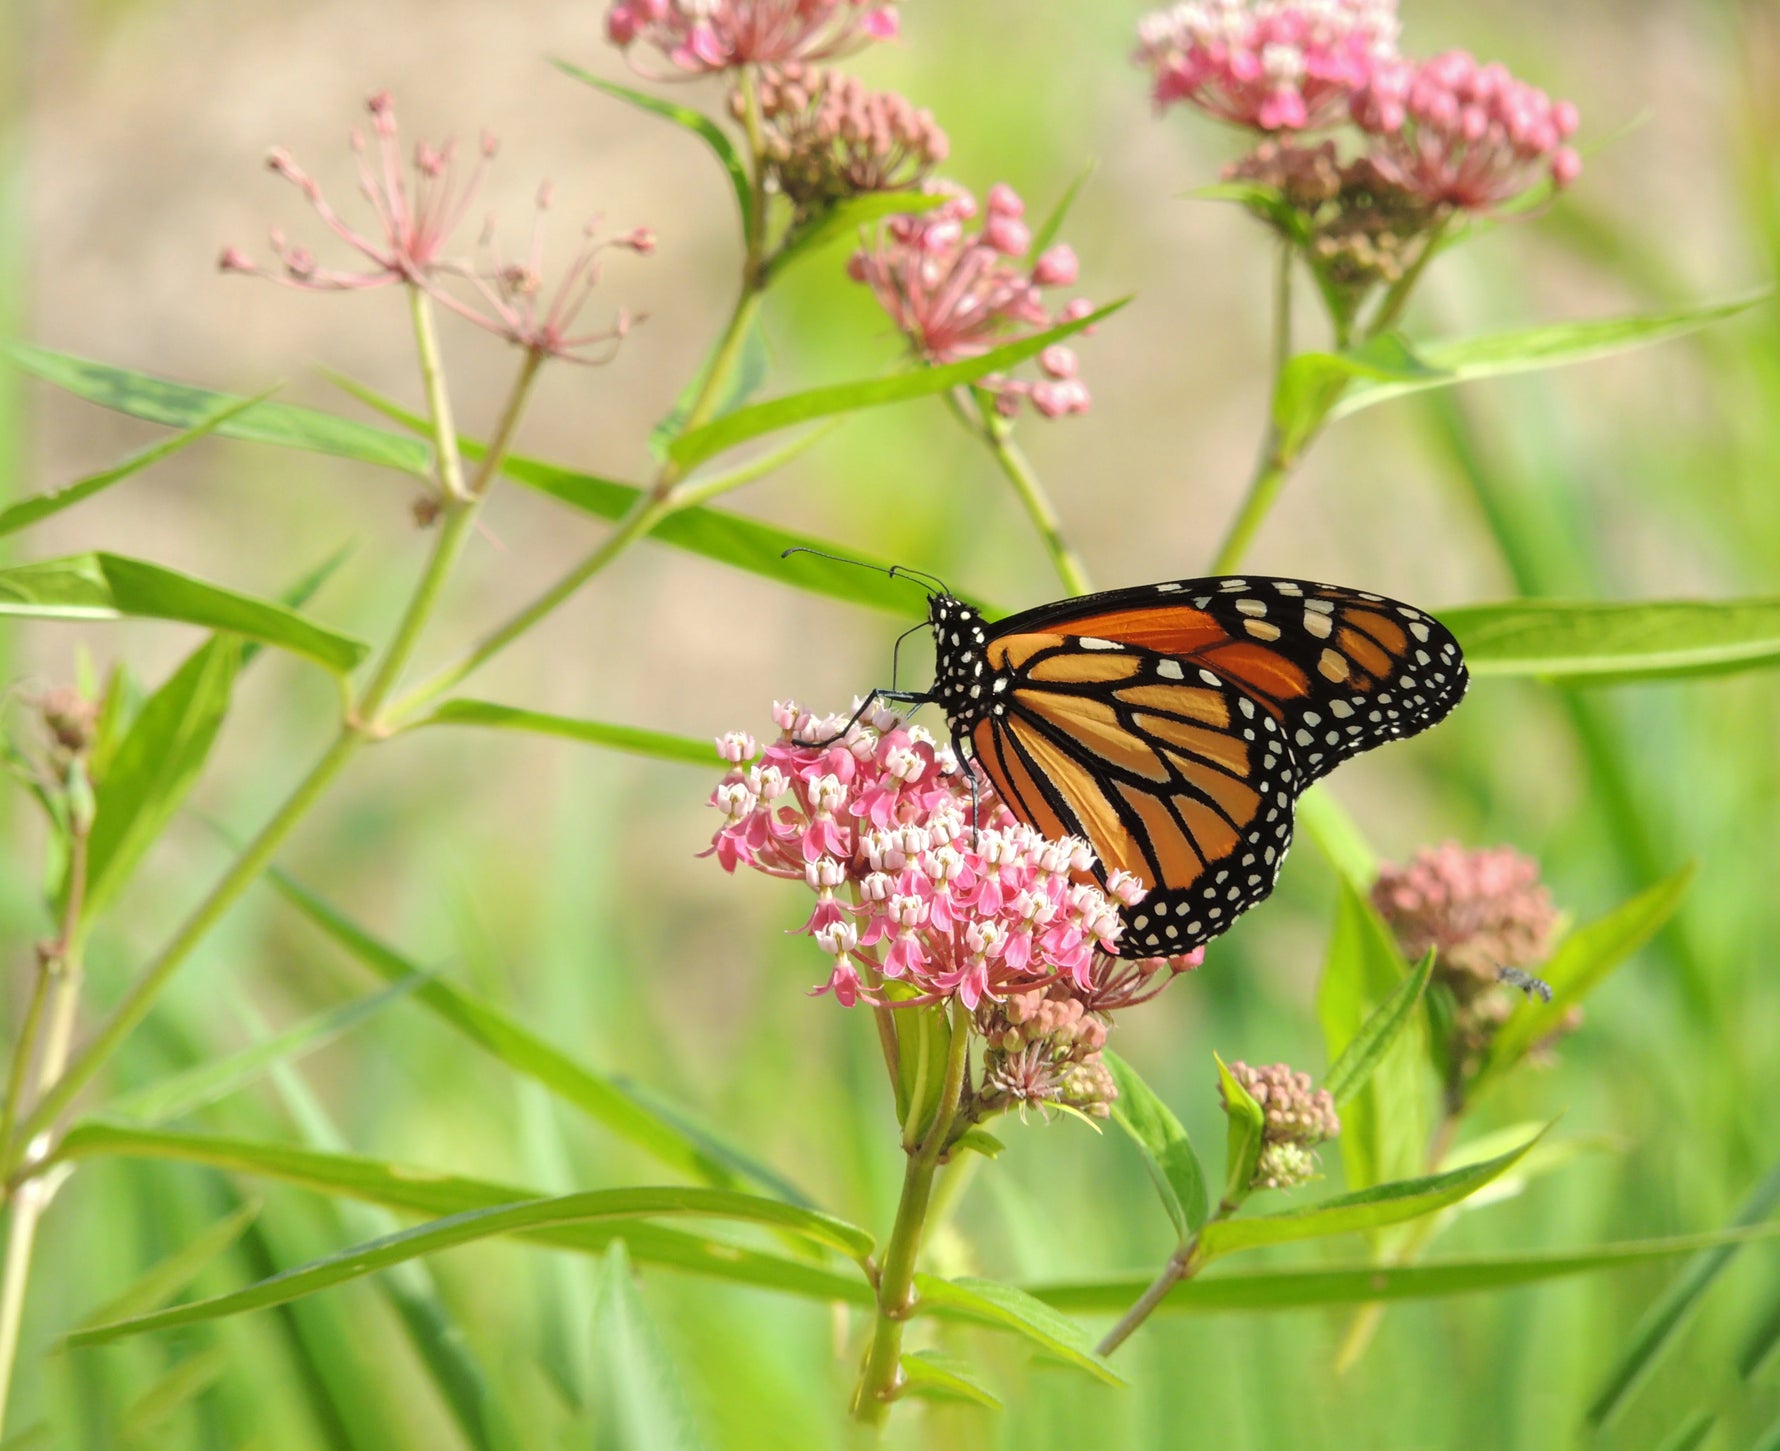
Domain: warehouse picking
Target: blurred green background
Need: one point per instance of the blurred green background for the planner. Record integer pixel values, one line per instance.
(561, 881)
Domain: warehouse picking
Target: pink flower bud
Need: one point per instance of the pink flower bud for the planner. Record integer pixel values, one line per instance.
(1057, 267)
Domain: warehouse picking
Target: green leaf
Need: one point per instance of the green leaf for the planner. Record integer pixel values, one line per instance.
(1338, 837)
(431, 1192)
(1243, 1143)
(611, 1206)
(1369, 1209)
(217, 1078)
(1378, 1033)
(182, 405)
(1691, 1434)
(1167, 1152)
(640, 1401)
(41, 506)
(155, 767)
(1547, 346)
(670, 1141)
(983, 1142)
(847, 217)
(1047, 230)
(1588, 643)
(1383, 1129)
(700, 125)
(1312, 384)
(174, 1275)
(109, 586)
(1266, 202)
(743, 382)
(722, 434)
(658, 744)
(301, 592)
(1295, 1289)
(929, 1375)
(1581, 963)
(146, 1417)
(1008, 1308)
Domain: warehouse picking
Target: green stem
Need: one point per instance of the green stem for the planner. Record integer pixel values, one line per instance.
(998, 435)
(881, 1375)
(1182, 1265)
(24, 1052)
(454, 532)
(448, 461)
(1394, 301)
(754, 269)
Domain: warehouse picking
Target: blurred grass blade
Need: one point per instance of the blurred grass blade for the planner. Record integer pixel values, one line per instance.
(434, 1193)
(1582, 962)
(847, 217)
(1312, 384)
(155, 767)
(1691, 1434)
(699, 1156)
(146, 1417)
(174, 1275)
(103, 586)
(217, 1078)
(1338, 837)
(1245, 1136)
(1383, 1123)
(1547, 346)
(1048, 229)
(1661, 1322)
(1588, 643)
(722, 434)
(1377, 1034)
(1374, 1208)
(1167, 1151)
(642, 1401)
(39, 1436)
(932, 1376)
(613, 1206)
(1008, 1308)
(1354, 1284)
(41, 506)
(639, 742)
(699, 124)
(181, 405)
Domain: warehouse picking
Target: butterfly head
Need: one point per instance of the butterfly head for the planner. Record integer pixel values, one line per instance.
(960, 642)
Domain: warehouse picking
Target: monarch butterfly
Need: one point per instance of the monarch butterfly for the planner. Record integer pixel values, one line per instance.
(1175, 725)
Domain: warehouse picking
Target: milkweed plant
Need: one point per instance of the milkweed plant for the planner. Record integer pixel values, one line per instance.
(977, 955)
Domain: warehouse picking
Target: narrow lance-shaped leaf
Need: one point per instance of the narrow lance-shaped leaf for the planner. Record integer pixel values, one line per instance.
(1167, 1151)
(608, 1205)
(1378, 1033)
(1312, 384)
(929, 1375)
(1247, 1130)
(42, 506)
(1047, 230)
(1590, 643)
(144, 1420)
(175, 1274)
(1006, 1307)
(635, 740)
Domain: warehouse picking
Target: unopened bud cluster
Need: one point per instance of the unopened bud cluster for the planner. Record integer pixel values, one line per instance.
(1296, 1117)
(1042, 1049)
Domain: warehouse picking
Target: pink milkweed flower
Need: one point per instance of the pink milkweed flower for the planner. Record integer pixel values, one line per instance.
(956, 292)
(1273, 65)
(698, 37)
(1479, 911)
(1462, 134)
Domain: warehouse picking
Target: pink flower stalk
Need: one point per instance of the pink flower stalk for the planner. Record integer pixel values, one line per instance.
(1462, 134)
(956, 293)
(699, 37)
(914, 904)
(1479, 910)
(1274, 65)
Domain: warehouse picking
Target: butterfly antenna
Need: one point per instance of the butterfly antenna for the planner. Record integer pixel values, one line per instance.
(895, 571)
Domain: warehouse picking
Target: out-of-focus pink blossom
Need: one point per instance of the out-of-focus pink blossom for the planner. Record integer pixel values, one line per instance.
(1274, 65)
(956, 292)
(1463, 134)
(1479, 910)
(698, 37)
(913, 903)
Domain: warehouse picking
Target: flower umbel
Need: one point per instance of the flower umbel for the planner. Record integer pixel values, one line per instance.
(1274, 65)
(698, 37)
(1296, 1118)
(956, 292)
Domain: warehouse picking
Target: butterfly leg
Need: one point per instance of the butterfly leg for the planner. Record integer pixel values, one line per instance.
(900, 697)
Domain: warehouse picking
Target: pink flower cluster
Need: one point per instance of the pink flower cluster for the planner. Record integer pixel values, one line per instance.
(1452, 131)
(699, 37)
(1479, 910)
(955, 292)
(913, 902)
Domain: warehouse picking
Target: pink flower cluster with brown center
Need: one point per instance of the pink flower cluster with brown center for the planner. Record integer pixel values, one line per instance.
(913, 902)
(1452, 131)
(956, 291)
(698, 37)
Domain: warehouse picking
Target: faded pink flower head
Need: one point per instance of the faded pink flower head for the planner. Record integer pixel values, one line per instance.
(956, 292)
(1296, 1117)
(1462, 134)
(1479, 910)
(913, 903)
(1274, 65)
(698, 37)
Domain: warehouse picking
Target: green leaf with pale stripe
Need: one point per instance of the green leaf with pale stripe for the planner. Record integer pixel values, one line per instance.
(102, 586)
(1167, 1151)
(1369, 1046)
(638, 742)
(1584, 642)
(1006, 1307)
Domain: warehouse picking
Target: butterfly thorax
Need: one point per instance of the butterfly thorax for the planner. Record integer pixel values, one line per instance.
(960, 671)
